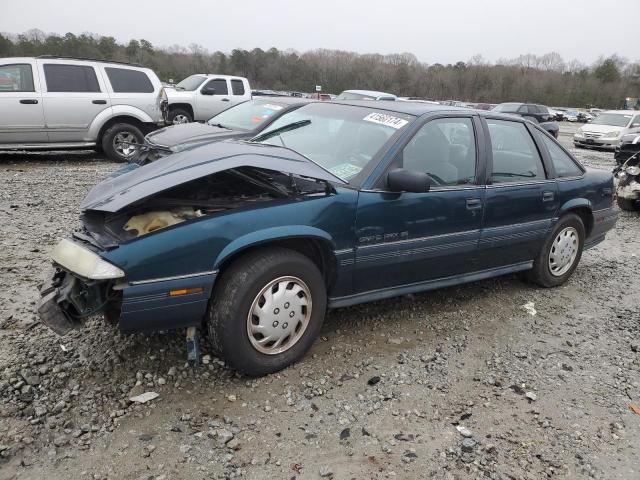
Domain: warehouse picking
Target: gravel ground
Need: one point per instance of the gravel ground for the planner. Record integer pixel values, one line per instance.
(458, 383)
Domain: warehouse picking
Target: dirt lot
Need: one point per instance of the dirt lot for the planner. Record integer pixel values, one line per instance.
(454, 384)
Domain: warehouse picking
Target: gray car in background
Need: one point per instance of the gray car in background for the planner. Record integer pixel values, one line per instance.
(53, 103)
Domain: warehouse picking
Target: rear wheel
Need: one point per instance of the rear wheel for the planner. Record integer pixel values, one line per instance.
(560, 253)
(120, 142)
(266, 310)
(627, 205)
(179, 115)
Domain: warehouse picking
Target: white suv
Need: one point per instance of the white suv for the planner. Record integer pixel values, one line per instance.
(200, 97)
(59, 103)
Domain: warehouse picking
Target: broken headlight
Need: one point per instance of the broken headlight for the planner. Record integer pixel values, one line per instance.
(84, 262)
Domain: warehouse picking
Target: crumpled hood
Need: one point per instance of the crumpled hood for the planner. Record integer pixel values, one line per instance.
(117, 192)
(192, 133)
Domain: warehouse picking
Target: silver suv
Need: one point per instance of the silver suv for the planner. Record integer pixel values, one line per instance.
(60, 103)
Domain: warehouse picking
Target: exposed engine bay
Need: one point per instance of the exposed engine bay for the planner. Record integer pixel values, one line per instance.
(223, 191)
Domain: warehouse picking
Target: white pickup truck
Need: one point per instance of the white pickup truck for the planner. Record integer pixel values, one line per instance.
(200, 97)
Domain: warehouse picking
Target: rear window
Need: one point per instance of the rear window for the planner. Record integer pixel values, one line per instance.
(70, 78)
(124, 80)
(563, 163)
(16, 78)
(237, 86)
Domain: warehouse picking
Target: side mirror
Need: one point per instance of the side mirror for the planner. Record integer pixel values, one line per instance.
(208, 91)
(403, 180)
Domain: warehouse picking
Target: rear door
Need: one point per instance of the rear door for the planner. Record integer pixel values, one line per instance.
(521, 199)
(239, 91)
(212, 98)
(74, 94)
(21, 117)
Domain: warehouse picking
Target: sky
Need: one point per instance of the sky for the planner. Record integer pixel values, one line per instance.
(441, 31)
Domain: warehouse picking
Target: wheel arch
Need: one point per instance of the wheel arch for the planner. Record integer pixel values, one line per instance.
(581, 207)
(120, 119)
(186, 106)
(311, 242)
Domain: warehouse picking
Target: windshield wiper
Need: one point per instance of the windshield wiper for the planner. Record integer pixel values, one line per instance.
(280, 130)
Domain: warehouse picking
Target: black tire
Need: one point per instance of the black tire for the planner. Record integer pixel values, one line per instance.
(111, 135)
(233, 297)
(179, 112)
(541, 272)
(627, 205)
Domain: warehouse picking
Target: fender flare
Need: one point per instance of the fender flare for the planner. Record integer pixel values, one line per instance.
(116, 111)
(575, 203)
(271, 234)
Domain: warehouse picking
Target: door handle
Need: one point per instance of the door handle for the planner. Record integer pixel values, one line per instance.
(548, 196)
(474, 203)
(225, 99)
(99, 102)
(29, 101)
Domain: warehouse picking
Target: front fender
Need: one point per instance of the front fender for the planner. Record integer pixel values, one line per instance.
(270, 234)
(116, 111)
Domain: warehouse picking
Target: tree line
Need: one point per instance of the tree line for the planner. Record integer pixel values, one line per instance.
(546, 79)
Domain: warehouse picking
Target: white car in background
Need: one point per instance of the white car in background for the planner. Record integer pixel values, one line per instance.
(365, 95)
(607, 128)
(202, 96)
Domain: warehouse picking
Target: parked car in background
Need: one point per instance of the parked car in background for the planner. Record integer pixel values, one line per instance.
(485, 106)
(244, 120)
(585, 117)
(627, 172)
(319, 96)
(525, 110)
(61, 103)
(418, 99)
(571, 115)
(365, 95)
(628, 146)
(200, 97)
(605, 130)
(335, 204)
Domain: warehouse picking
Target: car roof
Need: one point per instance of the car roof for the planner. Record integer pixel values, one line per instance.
(285, 100)
(214, 75)
(623, 112)
(75, 59)
(372, 93)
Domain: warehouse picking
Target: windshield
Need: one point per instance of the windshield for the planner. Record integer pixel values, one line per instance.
(342, 139)
(354, 96)
(248, 115)
(507, 107)
(614, 119)
(191, 83)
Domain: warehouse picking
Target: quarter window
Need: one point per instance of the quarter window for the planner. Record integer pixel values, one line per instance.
(16, 78)
(563, 163)
(445, 149)
(124, 80)
(220, 84)
(515, 156)
(70, 78)
(237, 86)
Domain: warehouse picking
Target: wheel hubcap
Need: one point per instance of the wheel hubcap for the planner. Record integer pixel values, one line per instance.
(564, 251)
(122, 143)
(180, 119)
(279, 315)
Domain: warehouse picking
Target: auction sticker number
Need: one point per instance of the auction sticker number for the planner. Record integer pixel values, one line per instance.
(386, 120)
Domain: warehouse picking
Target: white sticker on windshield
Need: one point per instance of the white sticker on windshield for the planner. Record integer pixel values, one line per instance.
(345, 170)
(270, 106)
(386, 120)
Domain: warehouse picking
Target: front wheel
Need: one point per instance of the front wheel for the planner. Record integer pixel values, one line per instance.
(560, 253)
(627, 205)
(266, 310)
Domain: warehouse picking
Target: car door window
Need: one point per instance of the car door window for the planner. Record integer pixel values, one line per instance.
(16, 77)
(515, 156)
(523, 109)
(125, 80)
(220, 84)
(562, 162)
(70, 78)
(237, 87)
(445, 149)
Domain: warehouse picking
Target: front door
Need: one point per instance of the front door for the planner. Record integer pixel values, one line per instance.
(405, 238)
(520, 201)
(21, 120)
(212, 98)
(74, 94)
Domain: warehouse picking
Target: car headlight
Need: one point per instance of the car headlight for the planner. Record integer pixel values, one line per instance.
(84, 262)
(579, 135)
(634, 170)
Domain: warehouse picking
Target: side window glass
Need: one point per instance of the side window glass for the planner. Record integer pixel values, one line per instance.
(445, 149)
(563, 164)
(70, 78)
(220, 84)
(124, 80)
(237, 87)
(523, 109)
(515, 156)
(16, 78)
